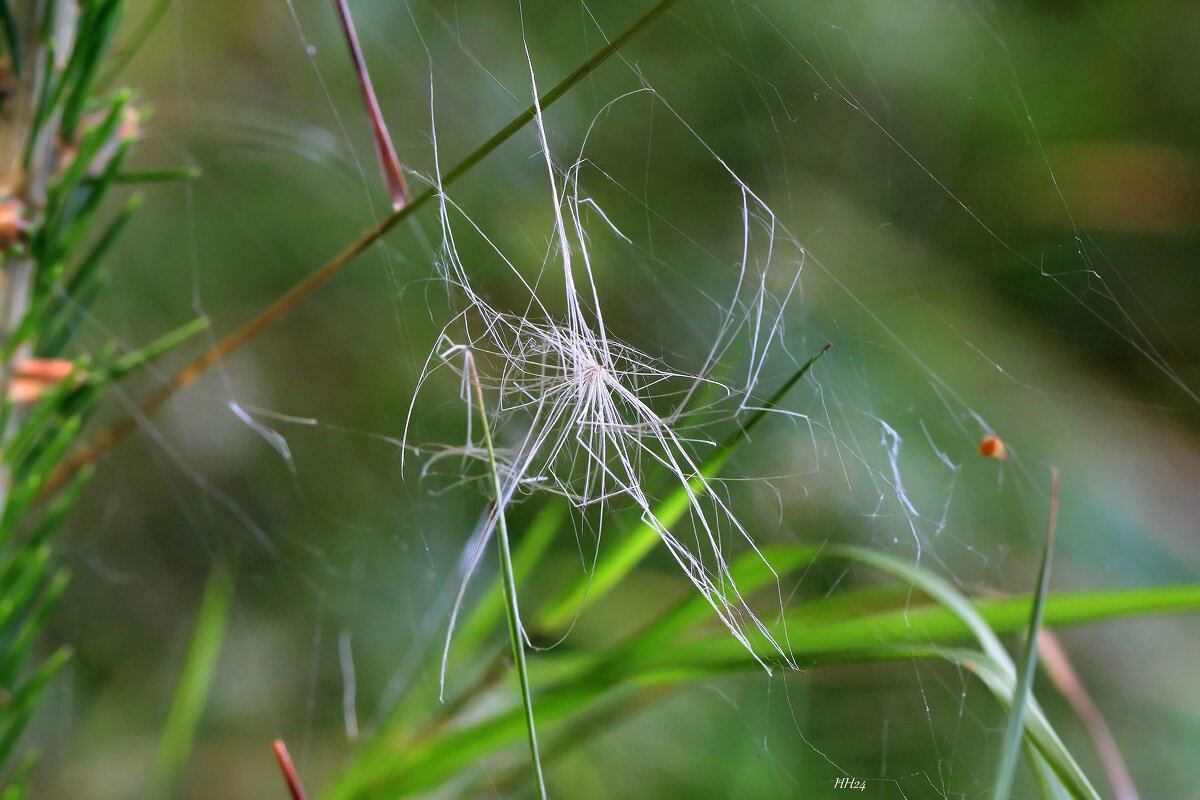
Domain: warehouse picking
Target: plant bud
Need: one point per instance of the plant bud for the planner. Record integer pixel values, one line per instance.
(33, 377)
(12, 222)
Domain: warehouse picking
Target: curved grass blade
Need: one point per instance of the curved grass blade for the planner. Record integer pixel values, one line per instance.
(1037, 729)
(577, 683)
(1022, 695)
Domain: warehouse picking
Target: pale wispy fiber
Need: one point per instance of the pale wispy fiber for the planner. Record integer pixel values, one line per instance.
(599, 421)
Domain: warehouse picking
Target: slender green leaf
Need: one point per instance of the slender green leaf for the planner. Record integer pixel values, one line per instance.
(515, 633)
(484, 615)
(148, 354)
(191, 692)
(1011, 747)
(21, 704)
(20, 586)
(36, 614)
(96, 32)
(18, 784)
(166, 175)
(582, 681)
(63, 186)
(1036, 728)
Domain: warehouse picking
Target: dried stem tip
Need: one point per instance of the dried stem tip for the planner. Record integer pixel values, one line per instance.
(289, 771)
(389, 165)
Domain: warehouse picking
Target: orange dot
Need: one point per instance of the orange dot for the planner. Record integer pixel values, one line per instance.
(993, 447)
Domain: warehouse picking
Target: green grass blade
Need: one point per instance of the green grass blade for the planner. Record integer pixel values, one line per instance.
(513, 614)
(517, 639)
(1036, 728)
(484, 615)
(21, 704)
(937, 588)
(820, 635)
(577, 683)
(817, 635)
(58, 508)
(18, 784)
(1049, 784)
(35, 468)
(468, 646)
(749, 573)
(42, 104)
(21, 579)
(66, 311)
(621, 556)
(1011, 748)
(191, 692)
(57, 216)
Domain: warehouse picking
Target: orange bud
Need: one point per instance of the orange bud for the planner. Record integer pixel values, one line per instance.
(33, 377)
(12, 221)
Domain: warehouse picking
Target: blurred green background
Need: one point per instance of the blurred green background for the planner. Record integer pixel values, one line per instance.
(1001, 209)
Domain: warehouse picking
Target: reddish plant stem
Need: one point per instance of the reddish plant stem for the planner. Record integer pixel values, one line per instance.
(389, 165)
(1066, 680)
(288, 769)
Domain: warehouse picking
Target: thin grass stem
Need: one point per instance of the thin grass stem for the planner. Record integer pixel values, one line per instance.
(516, 637)
(1011, 749)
